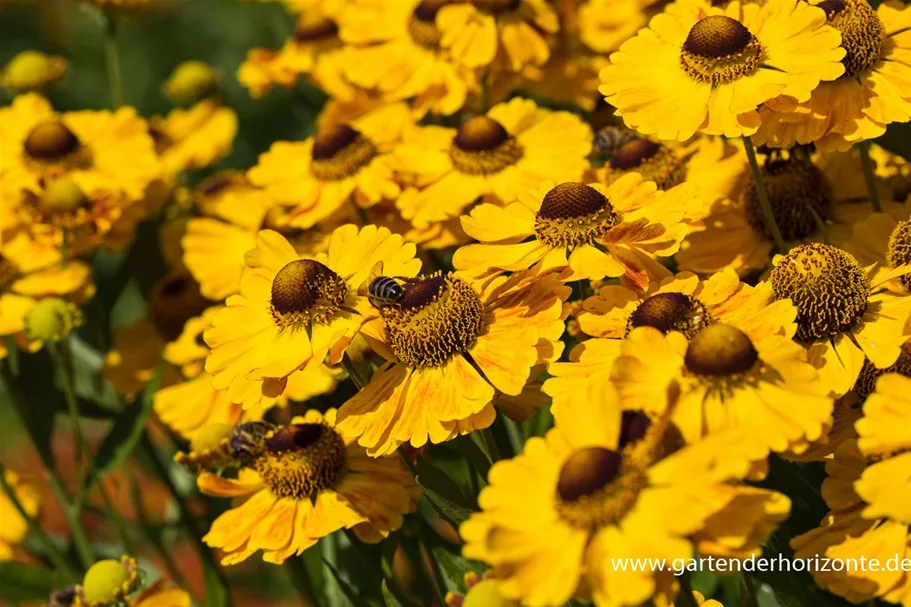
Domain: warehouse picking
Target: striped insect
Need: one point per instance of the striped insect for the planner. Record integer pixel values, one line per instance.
(611, 138)
(382, 291)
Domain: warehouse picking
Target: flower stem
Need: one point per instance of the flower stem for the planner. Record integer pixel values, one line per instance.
(112, 61)
(763, 196)
(50, 550)
(687, 599)
(354, 372)
(867, 164)
(301, 580)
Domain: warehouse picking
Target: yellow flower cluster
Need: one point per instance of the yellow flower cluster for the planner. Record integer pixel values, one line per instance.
(539, 224)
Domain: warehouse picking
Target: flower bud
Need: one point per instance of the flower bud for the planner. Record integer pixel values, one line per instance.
(30, 70)
(52, 319)
(189, 81)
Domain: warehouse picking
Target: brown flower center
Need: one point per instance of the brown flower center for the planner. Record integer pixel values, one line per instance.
(305, 291)
(633, 427)
(866, 381)
(315, 30)
(862, 33)
(573, 214)
(437, 318)
(720, 351)
(50, 140)
(339, 152)
(654, 161)
(300, 460)
(899, 251)
(719, 49)
(597, 487)
(482, 146)
(422, 25)
(799, 194)
(8, 273)
(670, 312)
(496, 7)
(827, 285)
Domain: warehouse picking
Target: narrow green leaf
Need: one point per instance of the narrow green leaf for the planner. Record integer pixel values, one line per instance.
(475, 455)
(454, 567)
(452, 512)
(349, 592)
(431, 477)
(389, 597)
(216, 593)
(21, 582)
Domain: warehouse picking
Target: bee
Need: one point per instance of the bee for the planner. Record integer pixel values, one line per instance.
(247, 441)
(610, 138)
(383, 291)
(62, 598)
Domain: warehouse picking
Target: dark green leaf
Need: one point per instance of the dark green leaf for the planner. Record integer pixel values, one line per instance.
(389, 597)
(475, 455)
(449, 510)
(349, 592)
(216, 593)
(454, 567)
(897, 139)
(431, 477)
(35, 408)
(21, 582)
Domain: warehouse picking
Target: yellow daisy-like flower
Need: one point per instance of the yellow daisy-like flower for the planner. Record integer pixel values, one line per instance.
(15, 528)
(872, 93)
(342, 162)
(500, 154)
(595, 231)
(507, 34)
(451, 349)
(29, 272)
(883, 239)
(315, 49)
(159, 595)
(397, 52)
(843, 317)
(604, 25)
(30, 70)
(804, 193)
(441, 235)
(703, 68)
(868, 493)
(190, 81)
(556, 519)
(305, 481)
(194, 138)
(293, 312)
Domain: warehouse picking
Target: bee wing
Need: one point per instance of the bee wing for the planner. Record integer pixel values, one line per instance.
(375, 272)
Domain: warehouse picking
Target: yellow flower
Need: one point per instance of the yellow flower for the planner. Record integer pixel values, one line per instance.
(30, 272)
(868, 493)
(194, 138)
(31, 70)
(450, 348)
(315, 49)
(498, 155)
(509, 34)
(803, 191)
(305, 481)
(342, 162)
(159, 595)
(872, 93)
(189, 81)
(883, 239)
(703, 68)
(396, 51)
(598, 488)
(293, 312)
(606, 24)
(843, 317)
(595, 231)
(15, 528)
(438, 235)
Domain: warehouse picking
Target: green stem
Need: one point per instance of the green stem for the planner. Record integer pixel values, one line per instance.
(112, 61)
(763, 196)
(585, 289)
(490, 444)
(748, 592)
(687, 599)
(53, 555)
(867, 164)
(820, 225)
(301, 580)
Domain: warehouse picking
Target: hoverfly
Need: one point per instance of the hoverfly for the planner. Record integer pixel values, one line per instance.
(383, 291)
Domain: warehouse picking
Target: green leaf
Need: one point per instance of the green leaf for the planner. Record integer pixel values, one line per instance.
(449, 510)
(124, 435)
(349, 592)
(216, 593)
(389, 597)
(21, 582)
(475, 455)
(454, 567)
(431, 477)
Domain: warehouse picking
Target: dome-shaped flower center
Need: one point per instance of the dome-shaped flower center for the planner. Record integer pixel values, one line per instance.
(50, 140)
(866, 381)
(799, 194)
(248, 440)
(482, 146)
(340, 151)
(654, 161)
(497, 6)
(720, 351)
(899, 252)
(633, 426)
(8, 273)
(107, 582)
(438, 317)
(62, 196)
(174, 300)
(573, 214)
(828, 286)
(301, 460)
(315, 30)
(670, 312)
(596, 487)
(862, 33)
(306, 291)
(422, 25)
(718, 50)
